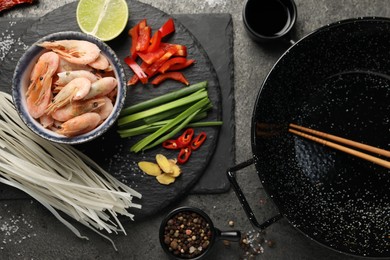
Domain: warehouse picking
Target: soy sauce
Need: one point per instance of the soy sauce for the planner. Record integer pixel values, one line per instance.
(268, 17)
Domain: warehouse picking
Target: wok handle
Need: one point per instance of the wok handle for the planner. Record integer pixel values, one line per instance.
(241, 197)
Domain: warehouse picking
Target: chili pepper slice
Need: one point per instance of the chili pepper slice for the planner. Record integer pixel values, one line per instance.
(134, 79)
(150, 57)
(133, 33)
(142, 24)
(181, 50)
(154, 42)
(185, 139)
(175, 75)
(169, 63)
(143, 39)
(152, 69)
(167, 28)
(184, 155)
(181, 66)
(171, 144)
(198, 141)
(137, 69)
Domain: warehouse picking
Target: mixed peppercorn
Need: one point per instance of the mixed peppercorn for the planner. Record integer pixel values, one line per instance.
(187, 234)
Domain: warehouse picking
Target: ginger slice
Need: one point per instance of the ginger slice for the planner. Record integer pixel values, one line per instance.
(164, 163)
(150, 168)
(165, 179)
(176, 171)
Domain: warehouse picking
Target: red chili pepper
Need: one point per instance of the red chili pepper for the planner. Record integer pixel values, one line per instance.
(167, 28)
(150, 57)
(143, 36)
(171, 144)
(152, 69)
(181, 66)
(185, 139)
(181, 50)
(198, 141)
(169, 63)
(175, 75)
(137, 69)
(134, 79)
(184, 155)
(154, 42)
(133, 33)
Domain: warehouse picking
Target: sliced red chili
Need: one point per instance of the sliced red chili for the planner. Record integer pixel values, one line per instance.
(142, 24)
(150, 57)
(181, 66)
(153, 68)
(175, 75)
(143, 38)
(198, 141)
(167, 28)
(155, 42)
(172, 61)
(137, 69)
(181, 50)
(185, 139)
(184, 155)
(171, 144)
(133, 33)
(134, 79)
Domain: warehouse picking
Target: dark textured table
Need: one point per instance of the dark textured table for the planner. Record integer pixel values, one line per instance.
(28, 231)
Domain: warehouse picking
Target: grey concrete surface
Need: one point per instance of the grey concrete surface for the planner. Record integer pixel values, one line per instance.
(26, 226)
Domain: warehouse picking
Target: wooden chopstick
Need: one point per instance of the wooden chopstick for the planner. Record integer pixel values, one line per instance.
(305, 132)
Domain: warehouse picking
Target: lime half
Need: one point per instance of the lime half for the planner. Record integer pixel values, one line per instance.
(105, 19)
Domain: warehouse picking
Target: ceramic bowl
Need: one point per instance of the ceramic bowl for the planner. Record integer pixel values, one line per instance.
(21, 80)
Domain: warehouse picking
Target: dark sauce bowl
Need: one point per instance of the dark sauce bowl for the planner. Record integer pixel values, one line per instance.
(214, 235)
(269, 20)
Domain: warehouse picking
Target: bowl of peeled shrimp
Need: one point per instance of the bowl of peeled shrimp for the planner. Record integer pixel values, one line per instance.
(69, 87)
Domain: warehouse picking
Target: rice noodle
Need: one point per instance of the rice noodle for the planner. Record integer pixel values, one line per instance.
(60, 177)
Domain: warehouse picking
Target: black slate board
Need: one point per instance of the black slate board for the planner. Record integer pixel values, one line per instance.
(207, 186)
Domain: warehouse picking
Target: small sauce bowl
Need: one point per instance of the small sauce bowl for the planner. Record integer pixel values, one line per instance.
(269, 20)
(194, 226)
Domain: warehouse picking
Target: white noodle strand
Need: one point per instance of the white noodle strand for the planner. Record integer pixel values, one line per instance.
(60, 177)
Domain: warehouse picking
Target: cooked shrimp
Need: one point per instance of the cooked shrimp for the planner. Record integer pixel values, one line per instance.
(46, 121)
(77, 108)
(75, 90)
(39, 94)
(68, 66)
(80, 124)
(101, 63)
(105, 110)
(74, 51)
(102, 87)
(67, 76)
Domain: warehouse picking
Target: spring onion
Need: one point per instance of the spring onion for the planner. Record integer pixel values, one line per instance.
(60, 177)
(176, 121)
(174, 95)
(123, 121)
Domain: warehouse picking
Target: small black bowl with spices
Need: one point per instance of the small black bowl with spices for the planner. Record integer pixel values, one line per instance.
(189, 233)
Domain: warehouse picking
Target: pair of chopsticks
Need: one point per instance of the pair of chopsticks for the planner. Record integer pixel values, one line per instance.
(320, 137)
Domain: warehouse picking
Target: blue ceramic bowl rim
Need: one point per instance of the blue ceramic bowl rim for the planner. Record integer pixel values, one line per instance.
(20, 80)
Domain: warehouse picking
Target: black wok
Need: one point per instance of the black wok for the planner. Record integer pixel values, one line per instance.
(336, 80)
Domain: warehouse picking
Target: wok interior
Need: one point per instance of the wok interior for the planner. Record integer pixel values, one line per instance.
(336, 80)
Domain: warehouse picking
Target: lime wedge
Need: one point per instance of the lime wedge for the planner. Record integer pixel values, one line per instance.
(105, 19)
